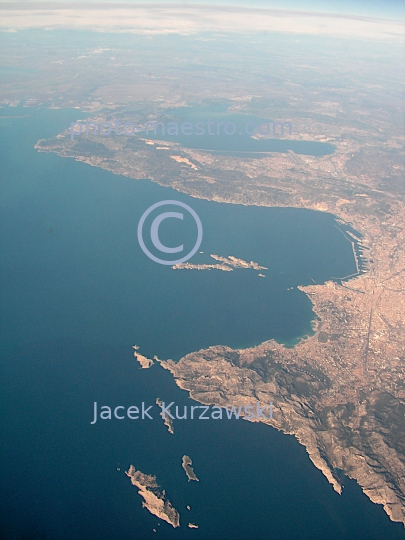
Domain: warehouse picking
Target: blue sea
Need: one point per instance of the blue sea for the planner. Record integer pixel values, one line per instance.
(78, 293)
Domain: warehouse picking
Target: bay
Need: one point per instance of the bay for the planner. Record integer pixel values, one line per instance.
(78, 292)
(215, 127)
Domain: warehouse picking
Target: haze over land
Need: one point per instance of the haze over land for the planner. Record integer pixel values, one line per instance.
(192, 19)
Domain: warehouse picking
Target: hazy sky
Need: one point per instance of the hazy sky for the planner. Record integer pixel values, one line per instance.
(371, 8)
(360, 19)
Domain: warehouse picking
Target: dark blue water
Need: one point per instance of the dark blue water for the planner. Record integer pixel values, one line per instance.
(78, 293)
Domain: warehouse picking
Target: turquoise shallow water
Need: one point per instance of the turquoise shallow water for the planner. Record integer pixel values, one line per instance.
(78, 293)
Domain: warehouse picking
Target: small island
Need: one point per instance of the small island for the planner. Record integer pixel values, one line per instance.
(154, 499)
(186, 464)
(226, 264)
(238, 263)
(166, 420)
